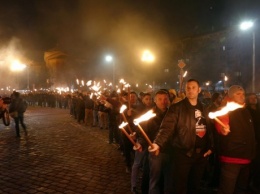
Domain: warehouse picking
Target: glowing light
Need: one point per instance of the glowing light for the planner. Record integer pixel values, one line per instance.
(109, 58)
(89, 83)
(122, 109)
(17, 66)
(185, 73)
(145, 117)
(123, 124)
(147, 56)
(246, 25)
(231, 106)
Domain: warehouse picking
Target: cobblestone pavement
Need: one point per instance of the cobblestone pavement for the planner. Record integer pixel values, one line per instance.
(59, 156)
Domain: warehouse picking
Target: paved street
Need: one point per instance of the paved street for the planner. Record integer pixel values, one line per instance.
(59, 156)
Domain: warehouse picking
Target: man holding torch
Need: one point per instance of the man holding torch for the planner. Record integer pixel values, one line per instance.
(236, 144)
(159, 169)
(184, 125)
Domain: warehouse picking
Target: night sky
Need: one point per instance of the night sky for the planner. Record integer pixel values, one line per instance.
(89, 29)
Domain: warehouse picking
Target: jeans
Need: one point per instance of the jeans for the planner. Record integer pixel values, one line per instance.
(233, 178)
(138, 161)
(160, 174)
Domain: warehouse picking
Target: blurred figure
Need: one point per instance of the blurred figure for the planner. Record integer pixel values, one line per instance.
(80, 108)
(140, 156)
(236, 145)
(89, 105)
(173, 96)
(95, 111)
(253, 107)
(17, 108)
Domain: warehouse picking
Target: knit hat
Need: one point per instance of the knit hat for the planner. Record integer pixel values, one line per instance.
(233, 89)
(173, 91)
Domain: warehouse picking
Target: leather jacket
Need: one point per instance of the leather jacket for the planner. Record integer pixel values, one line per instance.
(178, 126)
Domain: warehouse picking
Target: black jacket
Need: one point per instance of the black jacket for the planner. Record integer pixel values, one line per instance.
(151, 127)
(178, 126)
(240, 142)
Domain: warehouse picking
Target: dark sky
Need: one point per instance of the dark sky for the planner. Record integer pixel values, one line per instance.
(88, 29)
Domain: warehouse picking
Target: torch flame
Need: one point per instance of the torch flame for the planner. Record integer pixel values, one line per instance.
(122, 81)
(96, 88)
(231, 106)
(122, 109)
(123, 124)
(144, 117)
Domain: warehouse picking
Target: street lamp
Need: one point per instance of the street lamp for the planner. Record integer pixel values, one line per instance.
(109, 58)
(148, 57)
(245, 26)
(17, 66)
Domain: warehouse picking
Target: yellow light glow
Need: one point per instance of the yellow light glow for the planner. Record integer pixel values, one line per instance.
(17, 66)
(147, 56)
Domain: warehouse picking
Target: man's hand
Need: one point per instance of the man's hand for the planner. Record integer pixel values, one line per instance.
(138, 147)
(225, 130)
(155, 149)
(207, 153)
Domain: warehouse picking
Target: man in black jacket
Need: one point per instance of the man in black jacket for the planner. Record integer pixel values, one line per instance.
(184, 125)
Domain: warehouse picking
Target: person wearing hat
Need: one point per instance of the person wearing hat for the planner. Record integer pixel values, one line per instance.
(173, 96)
(236, 145)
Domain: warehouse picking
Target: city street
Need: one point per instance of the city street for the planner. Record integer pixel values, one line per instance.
(59, 156)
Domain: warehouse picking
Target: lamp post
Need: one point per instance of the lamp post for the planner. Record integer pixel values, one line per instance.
(109, 58)
(181, 65)
(245, 26)
(28, 78)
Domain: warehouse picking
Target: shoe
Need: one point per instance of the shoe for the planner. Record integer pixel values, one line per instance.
(134, 190)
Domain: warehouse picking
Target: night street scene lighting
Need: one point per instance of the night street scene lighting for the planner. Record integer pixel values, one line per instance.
(61, 50)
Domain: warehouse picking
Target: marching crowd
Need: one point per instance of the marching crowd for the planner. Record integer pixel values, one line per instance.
(189, 150)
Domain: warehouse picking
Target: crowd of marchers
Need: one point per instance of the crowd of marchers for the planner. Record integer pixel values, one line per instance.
(188, 152)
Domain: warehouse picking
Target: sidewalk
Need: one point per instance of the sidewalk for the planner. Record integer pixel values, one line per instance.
(59, 156)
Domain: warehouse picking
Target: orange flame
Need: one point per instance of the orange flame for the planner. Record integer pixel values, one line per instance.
(231, 106)
(144, 117)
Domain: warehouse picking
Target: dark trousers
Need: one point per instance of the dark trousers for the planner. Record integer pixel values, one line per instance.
(17, 120)
(113, 129)
(188, 172)
(128, 151)
(233, 178)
